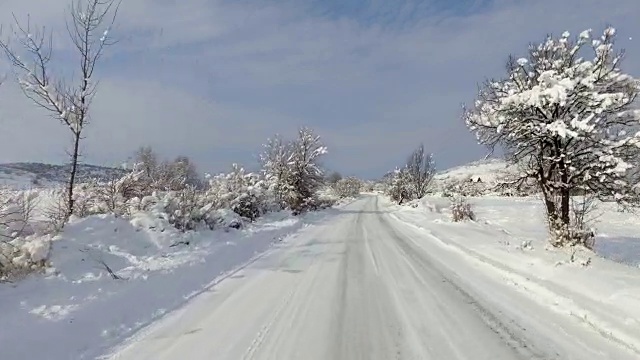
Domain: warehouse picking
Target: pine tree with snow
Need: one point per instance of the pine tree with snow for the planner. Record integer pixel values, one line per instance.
(565, 115)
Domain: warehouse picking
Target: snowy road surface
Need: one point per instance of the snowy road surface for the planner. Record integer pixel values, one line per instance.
(366, 286)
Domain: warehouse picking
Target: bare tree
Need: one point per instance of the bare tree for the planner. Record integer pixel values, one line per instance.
(88, 29)
(568, 121)
(421, 169)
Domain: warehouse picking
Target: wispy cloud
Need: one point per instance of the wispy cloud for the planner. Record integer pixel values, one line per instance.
(211, 79)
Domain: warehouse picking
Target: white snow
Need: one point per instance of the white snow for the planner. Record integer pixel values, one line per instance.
(601, 289)
(380, 281)
(76, 310)
(368, 279)
(490, 170)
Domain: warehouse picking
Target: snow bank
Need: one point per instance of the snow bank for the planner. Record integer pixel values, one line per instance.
(509, 242)
(111, 276)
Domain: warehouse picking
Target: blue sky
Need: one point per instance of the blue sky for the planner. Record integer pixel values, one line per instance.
(212, 79)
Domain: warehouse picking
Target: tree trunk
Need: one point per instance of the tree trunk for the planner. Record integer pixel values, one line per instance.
(565, 207)
(551, 209)
(74, 170)
(565, 194)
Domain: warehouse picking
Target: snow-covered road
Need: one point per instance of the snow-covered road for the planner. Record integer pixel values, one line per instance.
(366, 286)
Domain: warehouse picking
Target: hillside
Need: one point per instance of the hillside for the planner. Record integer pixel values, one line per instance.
(475, 178)
(28, 175)
(489, 170)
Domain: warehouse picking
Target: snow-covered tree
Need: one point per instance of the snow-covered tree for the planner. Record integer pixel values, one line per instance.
(565, 114)
(275, 169)
(185, 170)
(291, 170)
(306, 175)
(420, 168)
(399, 185)
(147, 161)
(88, 30)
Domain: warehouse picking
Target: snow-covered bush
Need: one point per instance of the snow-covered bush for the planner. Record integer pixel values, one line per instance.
(348, 187)
(184, 208)
(368, 186)
(461, 210)
(577, 232)
(22, 249)
(114, 195)
(327, 196)
(411, 181)
(292, 171)
(466, 187)
(166, 175)
(567, 120)
(56, 211)
(399, 187)
(16, 209)
(315, 203)
(244, 193)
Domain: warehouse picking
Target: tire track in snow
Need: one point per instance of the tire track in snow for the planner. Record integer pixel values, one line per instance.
(511, 335)
(367, 326)
(542, 293)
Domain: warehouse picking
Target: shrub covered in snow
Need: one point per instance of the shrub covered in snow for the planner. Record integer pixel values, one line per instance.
(244, 193)
(22, 248)
(399, 187)
(292, 171)
(348, 187)
(461, 210)
(411, 181)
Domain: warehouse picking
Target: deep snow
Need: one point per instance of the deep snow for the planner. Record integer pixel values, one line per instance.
(509, 241)
(77, 310)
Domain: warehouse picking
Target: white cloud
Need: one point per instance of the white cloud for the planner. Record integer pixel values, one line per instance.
(211, 79)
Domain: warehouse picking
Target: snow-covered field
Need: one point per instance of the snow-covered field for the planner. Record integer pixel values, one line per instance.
(509, 241)
(77, 310)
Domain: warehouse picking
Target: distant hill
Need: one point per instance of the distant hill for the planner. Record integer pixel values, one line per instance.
(489, 170)
(28, 175)
(485, 173)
